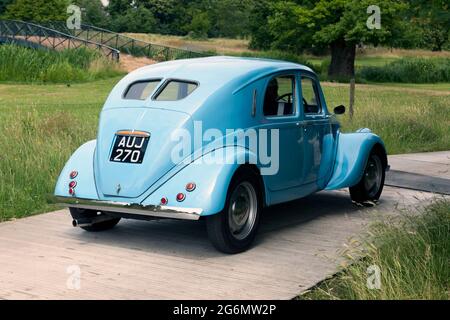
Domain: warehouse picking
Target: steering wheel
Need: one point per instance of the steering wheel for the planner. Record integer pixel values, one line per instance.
(286, 95)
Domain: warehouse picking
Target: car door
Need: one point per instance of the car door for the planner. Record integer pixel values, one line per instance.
(317, 132)
(281, 112)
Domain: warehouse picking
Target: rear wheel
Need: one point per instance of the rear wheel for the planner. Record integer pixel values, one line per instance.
(234, 229)
(370, 186)
(86, 215)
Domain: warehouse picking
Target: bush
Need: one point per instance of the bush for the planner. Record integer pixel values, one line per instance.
(18, 64)
(409, 70)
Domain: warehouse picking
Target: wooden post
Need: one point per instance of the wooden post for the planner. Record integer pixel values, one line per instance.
(352, 97)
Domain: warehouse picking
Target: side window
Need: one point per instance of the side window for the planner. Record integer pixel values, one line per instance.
(280, 96)
(311, 101)
(141, 90)
(175, 90)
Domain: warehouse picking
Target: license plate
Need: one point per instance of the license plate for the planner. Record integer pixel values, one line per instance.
(129, 147)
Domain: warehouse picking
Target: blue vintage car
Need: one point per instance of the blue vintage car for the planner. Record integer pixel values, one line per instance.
(218, 139)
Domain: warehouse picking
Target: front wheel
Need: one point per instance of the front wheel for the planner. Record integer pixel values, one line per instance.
(370, 186)
(234, 229)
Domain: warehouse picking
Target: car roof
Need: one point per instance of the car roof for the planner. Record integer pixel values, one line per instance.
(218, 68)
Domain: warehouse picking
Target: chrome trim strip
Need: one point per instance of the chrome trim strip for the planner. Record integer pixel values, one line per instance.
(131, 208)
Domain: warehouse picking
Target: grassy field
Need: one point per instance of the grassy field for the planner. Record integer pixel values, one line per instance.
(19, 64)
(44, 124)
(364, 57)
(412, 254)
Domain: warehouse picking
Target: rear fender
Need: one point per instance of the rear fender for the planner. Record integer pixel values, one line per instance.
(81, 161)
(351, 157)
(211, 179)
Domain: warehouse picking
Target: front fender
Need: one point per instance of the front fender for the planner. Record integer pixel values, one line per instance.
(211, 179)
(82, 161)
(351, 157)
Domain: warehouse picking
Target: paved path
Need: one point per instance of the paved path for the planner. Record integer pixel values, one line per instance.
(421, 171)
(299, 244)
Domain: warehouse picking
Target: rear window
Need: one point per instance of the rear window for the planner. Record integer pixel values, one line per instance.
(141, 90)
(176, 90)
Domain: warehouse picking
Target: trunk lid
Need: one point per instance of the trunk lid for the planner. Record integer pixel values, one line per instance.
(130, 180)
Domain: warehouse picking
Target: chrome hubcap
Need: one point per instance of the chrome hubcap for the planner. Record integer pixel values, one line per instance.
(373, 175)
(242, 210)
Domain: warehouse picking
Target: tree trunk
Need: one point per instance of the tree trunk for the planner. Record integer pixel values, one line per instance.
(342, 64)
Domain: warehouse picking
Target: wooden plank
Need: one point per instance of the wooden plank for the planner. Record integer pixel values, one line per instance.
(299, 244)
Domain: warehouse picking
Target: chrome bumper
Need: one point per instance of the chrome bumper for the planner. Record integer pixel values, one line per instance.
(130, 208)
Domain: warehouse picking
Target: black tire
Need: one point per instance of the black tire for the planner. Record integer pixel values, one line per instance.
(96, 227)
(219, 225)
(362, 192)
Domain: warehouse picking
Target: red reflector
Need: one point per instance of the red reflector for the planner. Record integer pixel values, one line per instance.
(71, 191)
(73, 174)
(72, 184)
(181, 197)
(190, 187)
(164, 201)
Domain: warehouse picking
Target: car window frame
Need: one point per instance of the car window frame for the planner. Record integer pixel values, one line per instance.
(318, 97)
(166, 82)
(127, 89)
(295, 107)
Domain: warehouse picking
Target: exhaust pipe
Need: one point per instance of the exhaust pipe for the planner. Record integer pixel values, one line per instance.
(88, 222)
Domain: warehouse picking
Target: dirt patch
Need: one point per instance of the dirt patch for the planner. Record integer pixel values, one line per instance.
(130, 63)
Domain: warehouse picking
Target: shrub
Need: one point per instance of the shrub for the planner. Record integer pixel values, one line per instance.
(412, 70)
(18, 64)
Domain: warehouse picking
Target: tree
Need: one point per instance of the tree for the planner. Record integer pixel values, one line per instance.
(137, 19)
(261, 37)
(199, 25)
(3, 5)
(434, 18)
(37, 10)
(93, 12)
(337, 24)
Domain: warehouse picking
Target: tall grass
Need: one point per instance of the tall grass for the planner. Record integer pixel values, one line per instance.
(412, 253)
(41, 127)
(408, 119)
(19, 64)
(409, 70)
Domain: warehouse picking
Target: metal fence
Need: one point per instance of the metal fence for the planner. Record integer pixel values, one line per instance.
(126, 44)
(20, 32)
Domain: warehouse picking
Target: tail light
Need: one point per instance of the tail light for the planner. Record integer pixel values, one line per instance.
(190, 187)
(181, 197)
(73, 174)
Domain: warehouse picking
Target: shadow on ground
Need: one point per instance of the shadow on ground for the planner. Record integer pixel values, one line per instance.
(189, 238)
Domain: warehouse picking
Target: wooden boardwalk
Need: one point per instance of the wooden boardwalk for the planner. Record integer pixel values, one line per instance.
(299, 244)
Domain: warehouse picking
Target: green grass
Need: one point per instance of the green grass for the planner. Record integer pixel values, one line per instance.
(413, 256)
(408, 70)
(19, 64)
(408, 119)
(42, 126)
